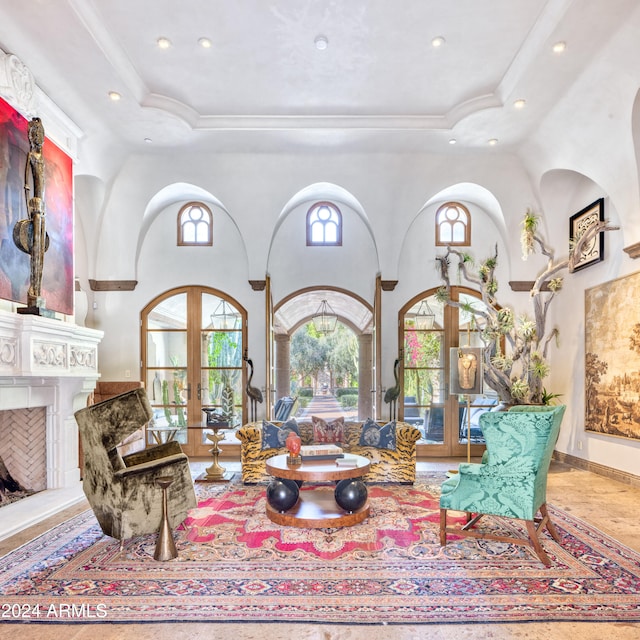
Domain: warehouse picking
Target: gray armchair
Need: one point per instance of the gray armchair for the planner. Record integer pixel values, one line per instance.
(122, 490)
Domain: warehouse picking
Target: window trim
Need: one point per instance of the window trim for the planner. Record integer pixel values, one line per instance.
(181, 242)
(324, 243)
(466, 242)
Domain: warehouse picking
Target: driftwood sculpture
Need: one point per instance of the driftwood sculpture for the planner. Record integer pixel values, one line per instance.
(515, 371)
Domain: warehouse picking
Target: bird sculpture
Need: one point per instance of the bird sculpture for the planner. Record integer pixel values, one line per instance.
(391, 394)
(255, 395)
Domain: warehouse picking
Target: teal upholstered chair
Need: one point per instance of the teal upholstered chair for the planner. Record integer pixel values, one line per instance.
(511, 481)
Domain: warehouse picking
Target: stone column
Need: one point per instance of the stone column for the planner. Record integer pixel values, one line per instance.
(365, 379)
(282, 371)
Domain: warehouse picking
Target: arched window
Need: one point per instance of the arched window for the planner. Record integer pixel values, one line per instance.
(324, 225)
(195, 225)
(453, 225)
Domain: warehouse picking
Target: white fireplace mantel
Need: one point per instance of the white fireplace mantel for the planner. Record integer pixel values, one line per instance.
(53, 364)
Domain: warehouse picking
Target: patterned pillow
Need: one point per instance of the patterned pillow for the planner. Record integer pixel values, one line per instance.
(273, 437)
(324, 432)
(373, 435)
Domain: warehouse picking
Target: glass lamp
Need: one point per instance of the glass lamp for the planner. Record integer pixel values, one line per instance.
(224, 317)
(425, 317)
(325, 319)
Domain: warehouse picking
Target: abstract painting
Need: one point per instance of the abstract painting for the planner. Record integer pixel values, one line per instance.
(57, 279)
(612, 358)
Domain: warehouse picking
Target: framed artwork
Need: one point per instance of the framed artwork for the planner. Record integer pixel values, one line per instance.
(57, 273)
(578, 223)
(612, 358)
(465, 371)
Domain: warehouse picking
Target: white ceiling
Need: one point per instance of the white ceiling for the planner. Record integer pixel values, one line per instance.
(379, 85)
(263, 85)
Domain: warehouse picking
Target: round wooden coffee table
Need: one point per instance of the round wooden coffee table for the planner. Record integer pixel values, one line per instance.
(317, 509)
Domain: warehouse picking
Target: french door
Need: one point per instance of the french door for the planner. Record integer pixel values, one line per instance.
(429, 330)
(192, 345)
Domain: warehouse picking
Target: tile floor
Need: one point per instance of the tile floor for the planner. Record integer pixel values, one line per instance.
(609, 505)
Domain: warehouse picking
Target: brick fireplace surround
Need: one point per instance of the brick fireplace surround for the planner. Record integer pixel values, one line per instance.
(50, 365)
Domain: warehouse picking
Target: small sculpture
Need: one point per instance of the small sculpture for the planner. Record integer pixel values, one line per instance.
(255, 395)
(391, 395)
(293, 444)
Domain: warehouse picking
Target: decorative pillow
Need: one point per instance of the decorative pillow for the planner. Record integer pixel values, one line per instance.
(325, 432)
(373, 435)
(273, 437)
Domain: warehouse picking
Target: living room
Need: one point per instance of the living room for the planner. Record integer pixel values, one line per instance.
(385, 116)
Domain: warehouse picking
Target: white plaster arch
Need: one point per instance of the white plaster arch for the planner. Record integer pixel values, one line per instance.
(466, 193)
(323, 191)
(179, 192)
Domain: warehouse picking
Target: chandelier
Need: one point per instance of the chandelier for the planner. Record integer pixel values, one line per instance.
(325, 319)
(425, 317)
(224, 317)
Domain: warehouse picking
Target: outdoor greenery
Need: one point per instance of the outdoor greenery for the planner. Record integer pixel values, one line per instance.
(421, 364)
(314, 354)
(349, 401)
(515, 355)
(224, 356)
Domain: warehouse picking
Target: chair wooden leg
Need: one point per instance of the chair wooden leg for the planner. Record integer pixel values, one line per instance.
(548, 523)
(443, 527)
(535, 543)
(471, 521)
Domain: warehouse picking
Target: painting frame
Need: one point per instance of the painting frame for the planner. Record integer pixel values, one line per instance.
(612, 359)
(578, 224)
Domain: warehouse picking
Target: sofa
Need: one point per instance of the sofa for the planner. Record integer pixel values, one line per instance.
(386, 465)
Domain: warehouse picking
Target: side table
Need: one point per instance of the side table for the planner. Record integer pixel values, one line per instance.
(214, 472)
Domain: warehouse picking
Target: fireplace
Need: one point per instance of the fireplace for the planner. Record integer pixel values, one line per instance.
(23, 452)
(48, 368)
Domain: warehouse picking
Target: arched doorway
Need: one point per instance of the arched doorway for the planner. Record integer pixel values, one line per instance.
(429, 330)
(353, 314)
(192, 346)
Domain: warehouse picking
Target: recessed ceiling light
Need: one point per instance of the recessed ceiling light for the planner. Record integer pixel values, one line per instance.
(205, 43)
(321, 43)
(493, 142)
(114, 95)
(163, 43)
(452, 141)
(148, 140)
(559, 47)
(519, 104)
(438, 41)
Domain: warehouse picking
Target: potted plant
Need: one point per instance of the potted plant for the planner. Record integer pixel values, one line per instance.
(515, 348)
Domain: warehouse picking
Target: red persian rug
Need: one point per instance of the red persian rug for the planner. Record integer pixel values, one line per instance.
(235, 565)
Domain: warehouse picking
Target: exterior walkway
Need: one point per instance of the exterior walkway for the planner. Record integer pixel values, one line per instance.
(326, 407)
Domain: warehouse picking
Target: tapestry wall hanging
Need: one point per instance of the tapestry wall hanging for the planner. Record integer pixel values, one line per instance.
(612, 358)
(57, 278)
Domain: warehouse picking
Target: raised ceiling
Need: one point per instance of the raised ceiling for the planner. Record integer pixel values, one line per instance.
(379, 84)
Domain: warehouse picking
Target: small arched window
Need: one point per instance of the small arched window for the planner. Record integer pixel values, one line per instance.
(324, 225)
(195, 225)
(453, 225)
